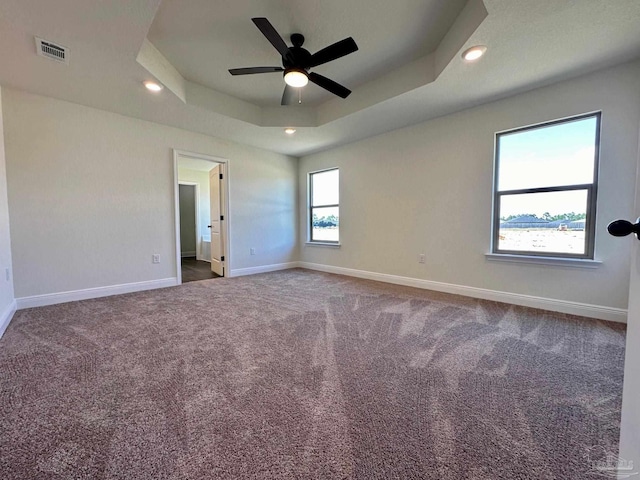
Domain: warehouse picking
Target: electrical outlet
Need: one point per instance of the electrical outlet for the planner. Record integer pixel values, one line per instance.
(155, 258)
(7, 274)
(252, 251)
(421, 258)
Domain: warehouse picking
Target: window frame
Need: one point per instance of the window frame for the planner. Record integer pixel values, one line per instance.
(591, 188)
(311, 206)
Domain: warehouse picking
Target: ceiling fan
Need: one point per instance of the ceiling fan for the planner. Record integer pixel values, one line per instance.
(296, 62)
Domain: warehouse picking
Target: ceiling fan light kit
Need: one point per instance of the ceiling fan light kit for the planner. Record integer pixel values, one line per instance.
(296, 78)
(296, 62)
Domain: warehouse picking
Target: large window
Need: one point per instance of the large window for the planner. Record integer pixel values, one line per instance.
(324, 206)
(545, 189)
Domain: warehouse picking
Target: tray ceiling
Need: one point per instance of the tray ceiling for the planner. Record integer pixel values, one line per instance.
(408, 68)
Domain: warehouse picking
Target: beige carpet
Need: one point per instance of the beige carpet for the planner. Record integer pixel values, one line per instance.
(300, 374)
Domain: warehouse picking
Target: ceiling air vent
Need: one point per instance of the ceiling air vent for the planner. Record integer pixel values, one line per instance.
(51, 50)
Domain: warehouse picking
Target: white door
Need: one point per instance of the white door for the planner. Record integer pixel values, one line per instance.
(630, 426)
(217, 252)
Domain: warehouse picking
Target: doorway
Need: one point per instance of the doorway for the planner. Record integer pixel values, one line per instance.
(193, 263)
(201, 216)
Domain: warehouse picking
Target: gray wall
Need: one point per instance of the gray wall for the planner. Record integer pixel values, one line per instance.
(91, 196)
(428, 189)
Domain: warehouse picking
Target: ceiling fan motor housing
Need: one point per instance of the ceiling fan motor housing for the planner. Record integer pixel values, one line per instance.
(296, 57)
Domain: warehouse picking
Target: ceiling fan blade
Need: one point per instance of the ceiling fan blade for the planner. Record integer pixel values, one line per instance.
(337, 50)
(289, 95)
(330, 85)
(252, 70)
(272, 35)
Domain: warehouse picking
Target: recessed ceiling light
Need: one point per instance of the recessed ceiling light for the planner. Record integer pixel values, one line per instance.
(153, 86)
(289, 131)
(474, 53)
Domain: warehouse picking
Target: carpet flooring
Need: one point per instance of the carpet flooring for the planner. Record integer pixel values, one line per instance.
(305, 375)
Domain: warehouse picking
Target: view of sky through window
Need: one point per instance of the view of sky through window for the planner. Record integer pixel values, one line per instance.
(325, 188)
(557, 155)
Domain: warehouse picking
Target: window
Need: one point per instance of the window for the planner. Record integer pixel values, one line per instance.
(324, 208)
(545, 189)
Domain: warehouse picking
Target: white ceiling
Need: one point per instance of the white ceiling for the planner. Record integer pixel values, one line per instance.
(531, 43)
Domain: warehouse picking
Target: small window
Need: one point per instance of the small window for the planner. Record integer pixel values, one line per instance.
(545, 189)
(324, 208)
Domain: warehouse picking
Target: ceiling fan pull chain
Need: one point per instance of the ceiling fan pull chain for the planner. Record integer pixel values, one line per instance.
(299, 95)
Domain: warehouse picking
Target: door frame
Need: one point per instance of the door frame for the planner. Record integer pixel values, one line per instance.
(197, 213)
(224, 207)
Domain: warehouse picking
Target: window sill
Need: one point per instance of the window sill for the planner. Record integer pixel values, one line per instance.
(554, 261)
(322, 244)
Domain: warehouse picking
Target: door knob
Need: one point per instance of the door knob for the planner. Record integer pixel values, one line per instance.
(622, 228)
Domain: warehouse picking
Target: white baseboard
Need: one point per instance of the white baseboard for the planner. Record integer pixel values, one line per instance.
(85, 294)
(239, 272)
(563, 306)
(6, 316)
(188, 254)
